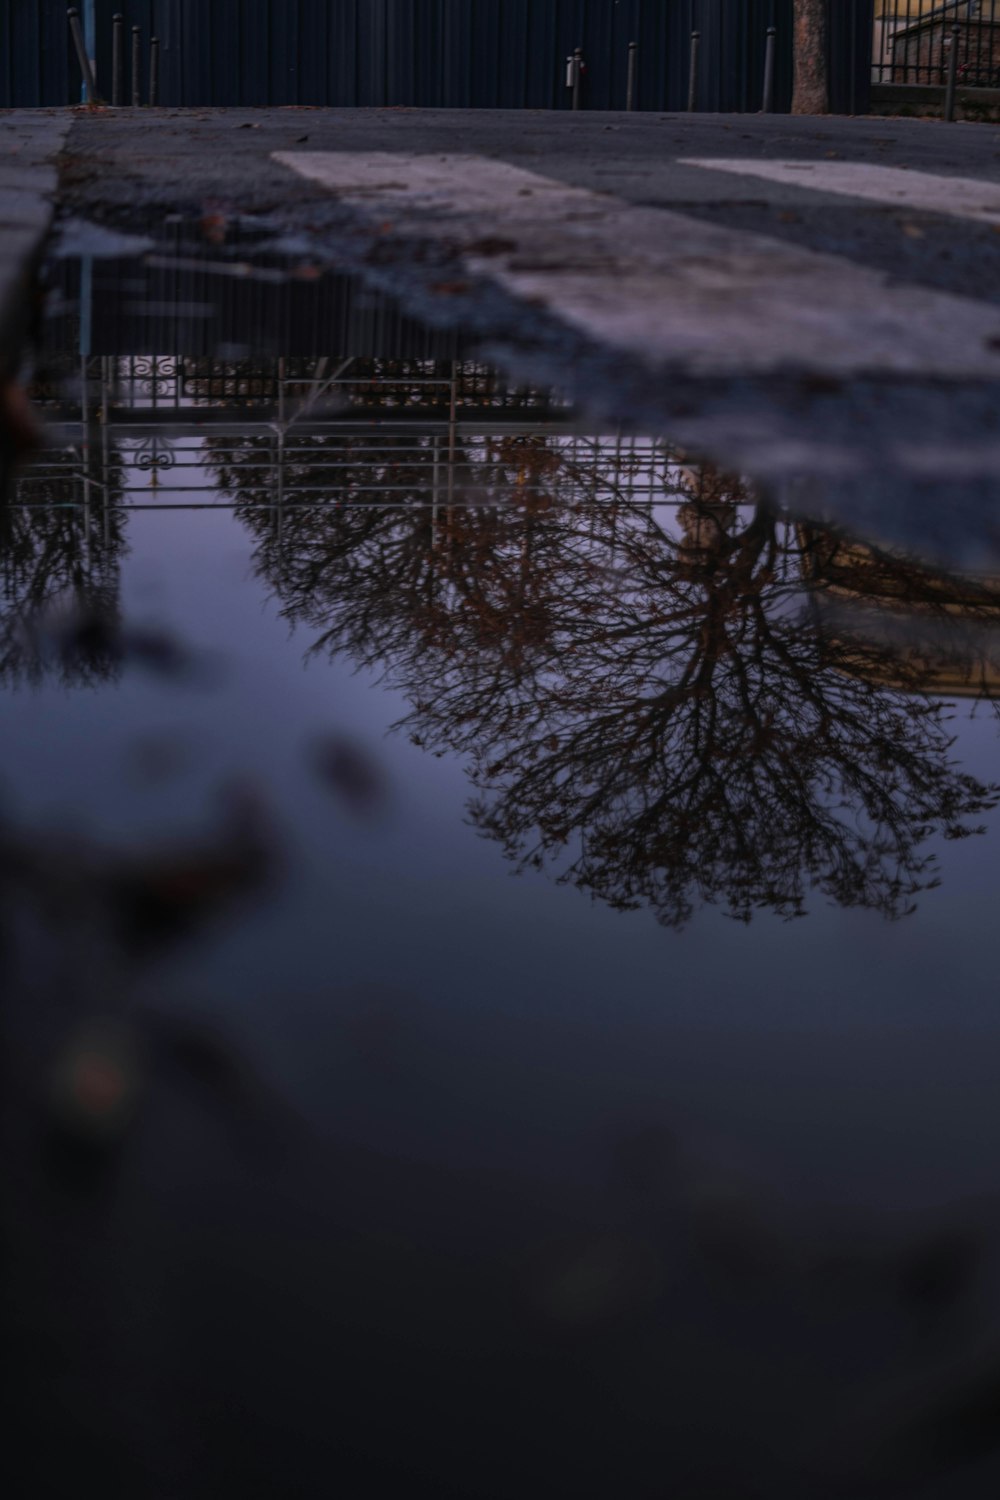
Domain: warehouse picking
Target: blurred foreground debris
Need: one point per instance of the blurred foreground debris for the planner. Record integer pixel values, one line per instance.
(138, 902)
(352, 773)
(81, 631)
(95, 1084)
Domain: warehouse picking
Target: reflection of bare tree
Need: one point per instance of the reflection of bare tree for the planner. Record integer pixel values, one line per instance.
(59, 566)
(646, 704)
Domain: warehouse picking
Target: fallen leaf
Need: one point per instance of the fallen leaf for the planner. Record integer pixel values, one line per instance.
(491, 245)
(352, 772)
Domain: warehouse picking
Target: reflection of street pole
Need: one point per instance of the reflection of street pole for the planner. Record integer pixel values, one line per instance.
(452, 434)
(85, 454)
(435, 486)
(279, 520)
(86, 328)
(86, 303)
(106, 446)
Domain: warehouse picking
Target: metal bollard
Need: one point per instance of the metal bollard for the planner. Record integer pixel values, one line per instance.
(633, 59)
(118, 61)
(136, 67)
(73, 15)
(693, 78)
(772, 42)
(577, 76)
(949, 98)
(154, 71)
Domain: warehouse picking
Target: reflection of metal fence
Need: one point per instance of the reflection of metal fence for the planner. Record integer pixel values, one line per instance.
(196, 391)
(234, 468)
(149, 432)
(914, 39)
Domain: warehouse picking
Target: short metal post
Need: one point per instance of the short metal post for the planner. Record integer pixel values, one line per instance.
(154, 71)
(577, 76)
(769, 55)
(118, 61)
(693, 78)
(81, 53)
(949, 98)
(633, 58)
(136, 67)
(89, 22)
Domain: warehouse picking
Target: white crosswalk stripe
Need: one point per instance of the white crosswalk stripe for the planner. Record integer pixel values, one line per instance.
(695, 297)
(921, 192)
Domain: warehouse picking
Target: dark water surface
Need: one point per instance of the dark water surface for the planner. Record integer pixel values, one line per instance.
(500, 975)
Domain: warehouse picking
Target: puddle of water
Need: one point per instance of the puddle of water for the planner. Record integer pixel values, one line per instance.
(314, 630)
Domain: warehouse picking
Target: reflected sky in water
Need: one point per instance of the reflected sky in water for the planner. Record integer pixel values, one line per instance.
(513, 797)
(578, 658)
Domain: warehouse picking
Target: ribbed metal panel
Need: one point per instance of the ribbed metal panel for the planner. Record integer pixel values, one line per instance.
(507, 54)
(186, 311)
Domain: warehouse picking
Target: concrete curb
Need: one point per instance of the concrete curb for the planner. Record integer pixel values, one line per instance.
(927, 101)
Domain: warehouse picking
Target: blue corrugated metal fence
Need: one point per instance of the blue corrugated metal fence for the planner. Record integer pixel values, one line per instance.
(434, 53)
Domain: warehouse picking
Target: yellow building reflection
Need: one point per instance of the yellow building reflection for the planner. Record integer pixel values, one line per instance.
(937, 632)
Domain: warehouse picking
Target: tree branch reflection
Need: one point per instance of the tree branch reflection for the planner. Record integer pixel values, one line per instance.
(59, 569)
(646, 698)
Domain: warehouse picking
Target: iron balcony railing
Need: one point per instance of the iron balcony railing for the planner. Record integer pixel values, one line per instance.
(914, 40)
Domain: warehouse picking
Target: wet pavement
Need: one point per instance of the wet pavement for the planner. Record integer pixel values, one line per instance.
(810, 302)
(499, 997)
(30, 141)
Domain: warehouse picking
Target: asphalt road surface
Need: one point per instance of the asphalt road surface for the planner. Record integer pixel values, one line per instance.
(812, 301)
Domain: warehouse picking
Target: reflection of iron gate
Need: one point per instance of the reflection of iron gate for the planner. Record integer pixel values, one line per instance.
(435, 53)
(197, 388)
(400, 433)
(913, 41)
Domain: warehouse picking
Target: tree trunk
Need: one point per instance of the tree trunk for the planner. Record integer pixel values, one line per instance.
(812, 86)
